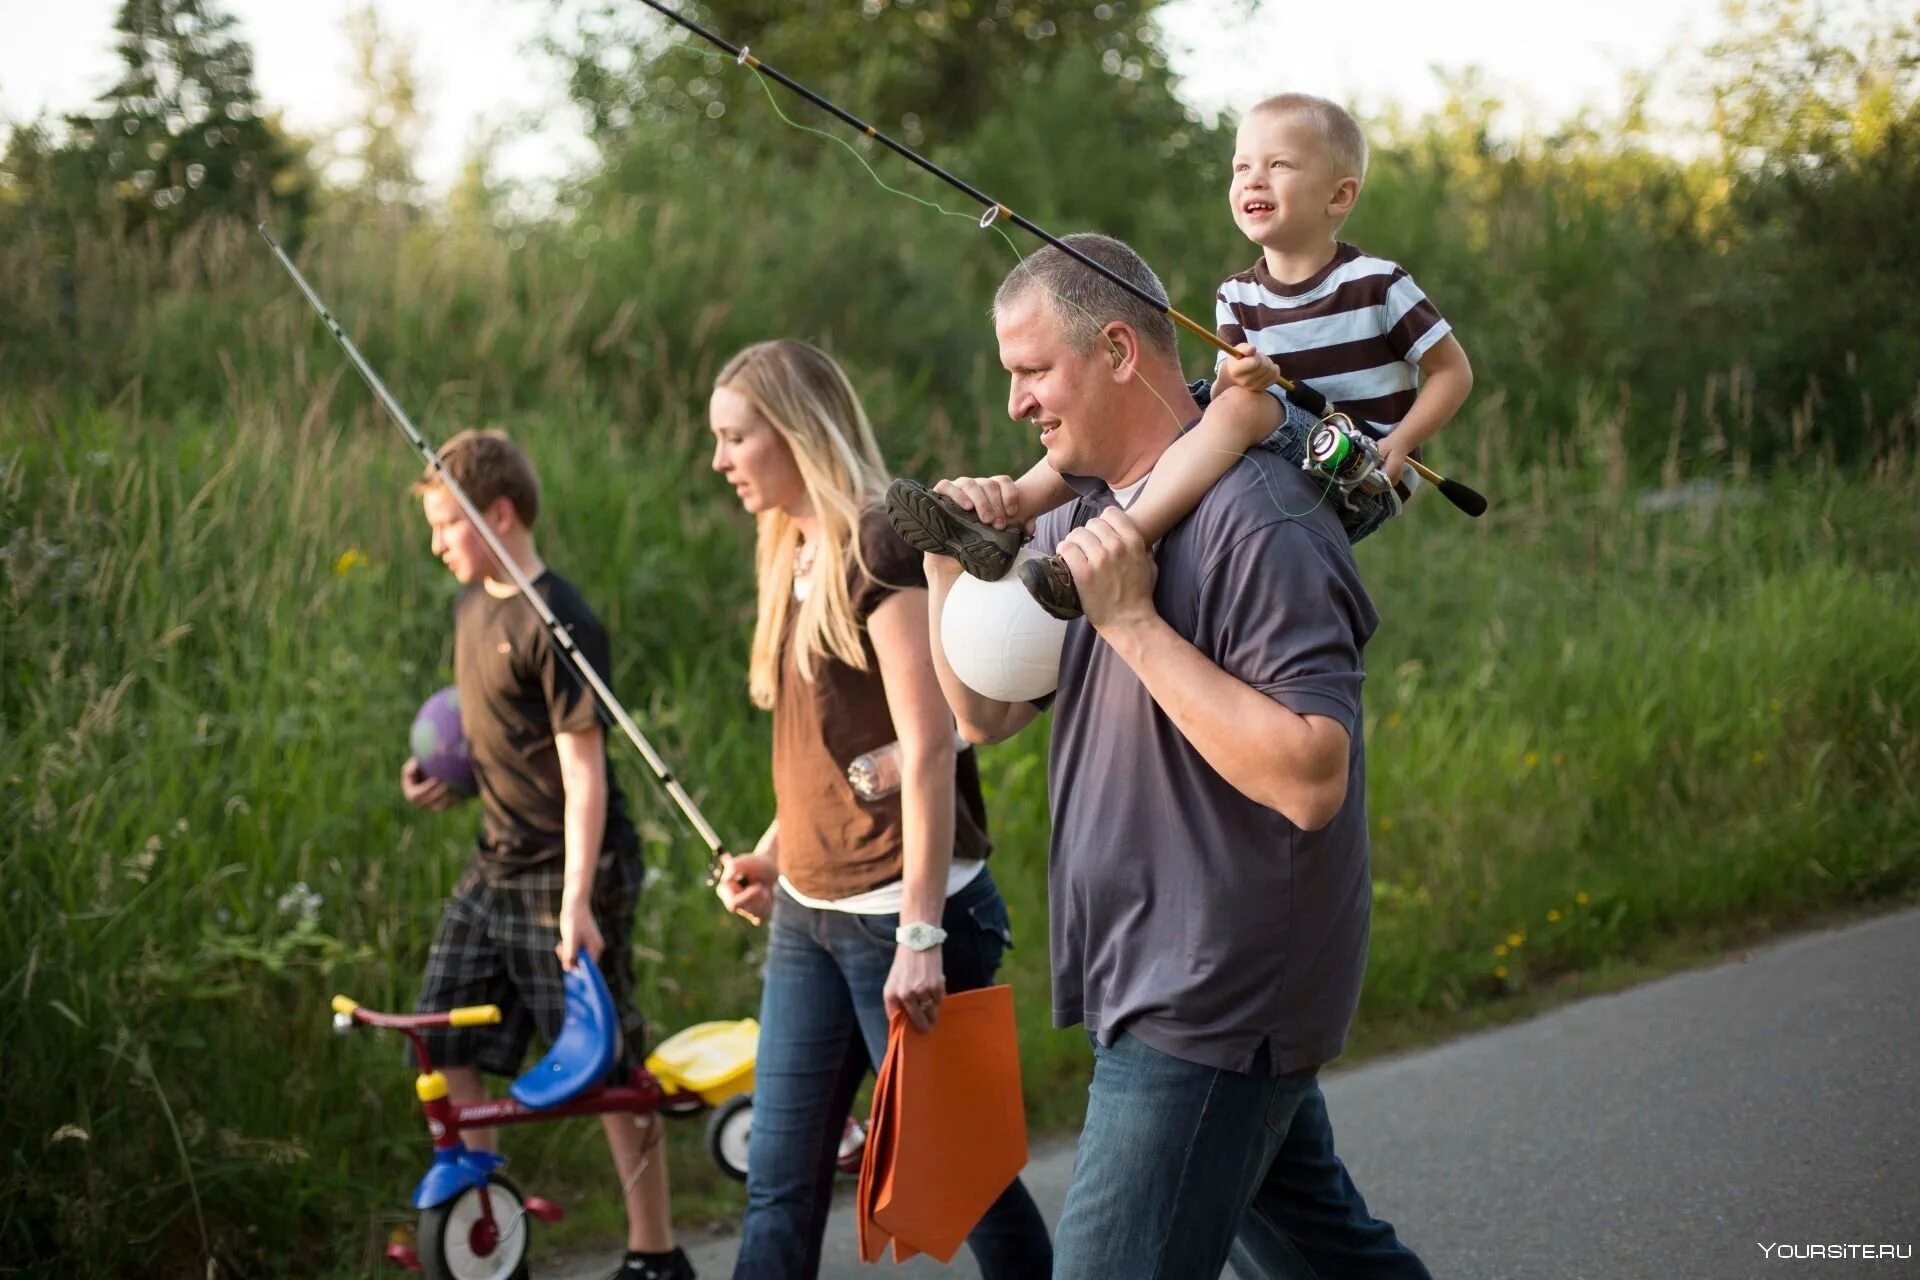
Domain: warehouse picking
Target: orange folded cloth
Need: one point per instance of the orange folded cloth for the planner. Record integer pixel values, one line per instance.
(948, 1132)
(875, 1163)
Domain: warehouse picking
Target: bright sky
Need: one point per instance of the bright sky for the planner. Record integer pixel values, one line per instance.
(477, 72)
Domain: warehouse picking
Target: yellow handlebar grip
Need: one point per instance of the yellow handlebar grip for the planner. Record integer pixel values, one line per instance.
(476, 1015)
(344, 1004)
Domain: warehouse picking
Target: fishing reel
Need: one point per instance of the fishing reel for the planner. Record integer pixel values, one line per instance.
(1342, 453)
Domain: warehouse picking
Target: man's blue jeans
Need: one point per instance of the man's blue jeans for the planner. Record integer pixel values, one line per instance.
(1180, 1165)
(823, 1026)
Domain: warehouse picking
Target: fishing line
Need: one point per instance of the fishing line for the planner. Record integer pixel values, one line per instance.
(991, 222)
(1309, 399)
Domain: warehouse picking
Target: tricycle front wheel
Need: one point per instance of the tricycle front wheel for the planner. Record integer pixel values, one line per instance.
(460, 1240)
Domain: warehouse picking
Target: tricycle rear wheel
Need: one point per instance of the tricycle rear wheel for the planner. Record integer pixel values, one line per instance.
(727, 1132)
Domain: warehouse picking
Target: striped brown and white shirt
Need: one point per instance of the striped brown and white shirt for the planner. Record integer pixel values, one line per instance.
(1354, 331)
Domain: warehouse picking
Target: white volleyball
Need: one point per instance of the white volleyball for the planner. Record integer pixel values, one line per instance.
(998, 640)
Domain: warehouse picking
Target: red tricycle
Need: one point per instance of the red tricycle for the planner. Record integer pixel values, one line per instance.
(472, 1218)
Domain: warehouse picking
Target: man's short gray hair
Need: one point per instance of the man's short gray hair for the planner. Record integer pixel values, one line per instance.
(1084, 302)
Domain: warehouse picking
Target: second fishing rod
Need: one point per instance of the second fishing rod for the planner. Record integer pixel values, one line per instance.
(508, 565)
(1460, 495)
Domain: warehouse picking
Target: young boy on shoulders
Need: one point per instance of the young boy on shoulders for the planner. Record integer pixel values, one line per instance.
(1353, 326)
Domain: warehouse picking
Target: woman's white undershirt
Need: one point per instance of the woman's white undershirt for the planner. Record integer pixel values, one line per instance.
(886, 900)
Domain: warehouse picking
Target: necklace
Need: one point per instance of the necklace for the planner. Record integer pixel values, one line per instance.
(803, 569)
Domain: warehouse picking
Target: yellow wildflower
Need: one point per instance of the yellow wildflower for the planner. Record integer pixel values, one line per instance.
(1500, 972)
(1515, 939)
(1533, 759)
(1553, 916)
(1500, 950)
(349, 560)
(1582, 898)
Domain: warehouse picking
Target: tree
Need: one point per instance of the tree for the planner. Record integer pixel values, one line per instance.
(388, 123)
(922, 70)
(180, 136)
(1819, 121)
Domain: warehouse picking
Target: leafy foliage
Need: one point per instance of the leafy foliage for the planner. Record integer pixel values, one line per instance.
(920, 69)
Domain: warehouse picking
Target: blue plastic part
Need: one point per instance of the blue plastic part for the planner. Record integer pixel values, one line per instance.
(583, 1052)
(453, 1171)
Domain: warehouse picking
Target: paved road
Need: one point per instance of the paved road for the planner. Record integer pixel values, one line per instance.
(1663, 1133)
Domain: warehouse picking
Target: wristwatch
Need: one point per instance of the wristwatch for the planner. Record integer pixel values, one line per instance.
(920, 936)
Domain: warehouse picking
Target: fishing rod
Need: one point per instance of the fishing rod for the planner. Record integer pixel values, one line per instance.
(532, 597)
(1460, 495)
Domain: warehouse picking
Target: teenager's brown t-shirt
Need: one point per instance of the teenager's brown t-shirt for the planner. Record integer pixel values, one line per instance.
(518, 690)
(832, 843)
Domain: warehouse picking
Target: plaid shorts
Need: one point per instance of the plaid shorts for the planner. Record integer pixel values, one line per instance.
(496, 946)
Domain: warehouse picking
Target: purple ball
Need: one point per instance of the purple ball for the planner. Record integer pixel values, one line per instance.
(440, 744)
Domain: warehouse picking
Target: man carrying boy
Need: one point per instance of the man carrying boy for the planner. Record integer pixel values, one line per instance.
(1208, 892)
(1354, 327)
(556, 870)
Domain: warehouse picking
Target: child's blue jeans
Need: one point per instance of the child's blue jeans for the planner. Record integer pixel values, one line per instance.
(1360, 513)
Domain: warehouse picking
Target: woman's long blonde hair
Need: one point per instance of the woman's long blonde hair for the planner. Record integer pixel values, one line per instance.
(804, 395)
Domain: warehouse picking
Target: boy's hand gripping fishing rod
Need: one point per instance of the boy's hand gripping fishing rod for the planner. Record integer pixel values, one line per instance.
(1460, 495)
(532, 597)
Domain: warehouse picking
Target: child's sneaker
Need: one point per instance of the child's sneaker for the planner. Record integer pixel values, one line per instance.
(1050, 582)
(937, 525)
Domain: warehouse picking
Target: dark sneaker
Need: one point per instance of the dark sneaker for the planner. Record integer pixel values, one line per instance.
(654, 1266)
(938, 526)
(1049, 581)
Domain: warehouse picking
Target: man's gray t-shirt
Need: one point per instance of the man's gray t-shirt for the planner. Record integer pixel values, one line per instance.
(1181, 911)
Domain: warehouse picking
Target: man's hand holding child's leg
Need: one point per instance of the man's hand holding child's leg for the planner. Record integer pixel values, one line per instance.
(936, 522)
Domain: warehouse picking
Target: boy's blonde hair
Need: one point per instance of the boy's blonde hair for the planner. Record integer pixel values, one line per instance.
(809, 402)
(1341, 132)
(487, 465)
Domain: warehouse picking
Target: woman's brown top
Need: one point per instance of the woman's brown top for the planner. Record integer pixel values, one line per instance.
(833, 844)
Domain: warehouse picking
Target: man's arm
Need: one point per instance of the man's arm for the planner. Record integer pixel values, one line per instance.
(1293, 763)
(583, 776)
(980, 719)
(995, 499)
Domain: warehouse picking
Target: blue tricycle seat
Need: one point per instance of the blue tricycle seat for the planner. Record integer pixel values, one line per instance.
(583, 1052)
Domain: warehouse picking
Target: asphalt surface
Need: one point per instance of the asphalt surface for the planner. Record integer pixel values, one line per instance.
(1664, 1133)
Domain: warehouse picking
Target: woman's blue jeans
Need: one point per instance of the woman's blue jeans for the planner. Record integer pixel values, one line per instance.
(823, 1026)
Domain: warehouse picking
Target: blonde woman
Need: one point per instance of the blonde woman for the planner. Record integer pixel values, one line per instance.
(878, 902)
